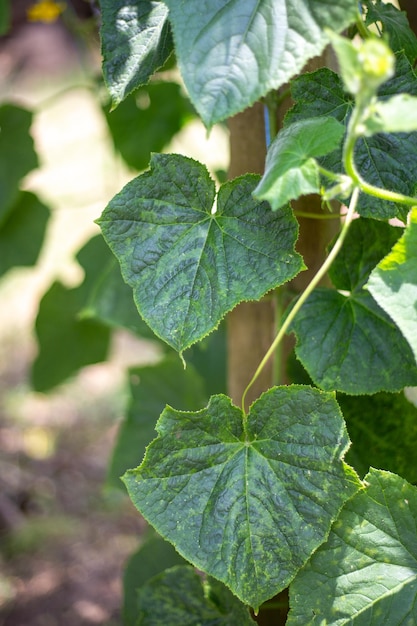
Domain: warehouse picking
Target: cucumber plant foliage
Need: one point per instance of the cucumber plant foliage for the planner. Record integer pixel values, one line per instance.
(257, 500)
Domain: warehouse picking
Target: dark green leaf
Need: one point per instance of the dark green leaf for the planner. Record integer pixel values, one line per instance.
(22, 232)
(151, 389)
(383, 431)
(111, 302)
(135, 42)
(232, 53)
(17, 154)
(146, 121)
(153, 557)
(394, 24)
(393, 283)
(386, 160)
(4, 16)
(290, 169)
(66, 341)
(344, 339)
(180, 597)
(365, 575)
(247, 502)
(187, 265)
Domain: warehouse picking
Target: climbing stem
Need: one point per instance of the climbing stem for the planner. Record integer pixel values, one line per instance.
(303, 297)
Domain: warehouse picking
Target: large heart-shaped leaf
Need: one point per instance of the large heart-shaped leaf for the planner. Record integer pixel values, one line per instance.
(247, 499)
(344, 339)
(366, 573)
(188, 262)
(393, 283)
(135, 42)
(233, 52)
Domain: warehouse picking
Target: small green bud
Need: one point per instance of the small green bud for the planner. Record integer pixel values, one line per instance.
(377, 61)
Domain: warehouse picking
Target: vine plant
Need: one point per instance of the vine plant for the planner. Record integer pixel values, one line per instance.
(277, 494)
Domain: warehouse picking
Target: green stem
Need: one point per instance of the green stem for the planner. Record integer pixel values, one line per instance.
(362, 29)
(318, 216)
(303, 297)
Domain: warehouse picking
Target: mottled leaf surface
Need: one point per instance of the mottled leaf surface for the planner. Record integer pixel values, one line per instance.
(188, 265)
(344, 338)
(232, 53)
(247, 506)
(135, 42)
(180, 597)
(151, 388)
(393, 283)
(22, 232)
(17, 153)
(291, 170)
(366, 573)
(387, 160)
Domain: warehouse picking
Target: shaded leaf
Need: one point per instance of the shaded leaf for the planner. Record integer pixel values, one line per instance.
(247, 502)
(365, 574)
(383, 431)
(22, 232)
(187, 265)
(135, 42)
(17, 154)
(146, 121)
(232, 53)
(151, 388)
(111, 302)
(4, 16)
(393, 283)
(344, 339)
(290, 170)
(180, 597)
(153, 557)
(67, 342)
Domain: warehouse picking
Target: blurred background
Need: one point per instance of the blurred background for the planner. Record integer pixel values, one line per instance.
(66, 530)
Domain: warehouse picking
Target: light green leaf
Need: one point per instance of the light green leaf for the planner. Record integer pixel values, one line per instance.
(135, 42)
(180, 597)
(394, 24)
(344, 339)
(232, 53)
(387, 160)
(66, 341)
(22, 232)
(153, 557)
(151, 389)
(247, 502)
(365, 575)
(394, 115)
(188, 266)
(290, 170)
(393, 283)
(17, 154)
